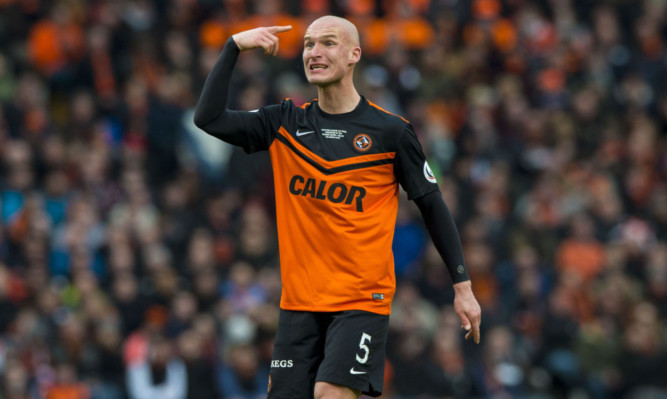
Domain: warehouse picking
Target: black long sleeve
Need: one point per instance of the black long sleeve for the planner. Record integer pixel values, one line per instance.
(213, 100)
(445, 236)
(212, 115)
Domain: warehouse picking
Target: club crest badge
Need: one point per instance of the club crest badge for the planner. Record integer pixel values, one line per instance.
(362, 142)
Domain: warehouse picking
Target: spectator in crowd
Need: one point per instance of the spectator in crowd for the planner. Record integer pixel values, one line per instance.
(160, 375)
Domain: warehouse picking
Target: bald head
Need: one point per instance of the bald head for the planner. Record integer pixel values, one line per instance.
(349, 33)
(330, 52)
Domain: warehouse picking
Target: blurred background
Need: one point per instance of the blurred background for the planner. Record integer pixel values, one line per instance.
(138, 256)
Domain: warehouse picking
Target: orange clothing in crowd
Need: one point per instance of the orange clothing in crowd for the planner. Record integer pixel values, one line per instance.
(585, 259)
(486, 289)
(377, 34)
(213, 34)
(68, 391)
(52, 46)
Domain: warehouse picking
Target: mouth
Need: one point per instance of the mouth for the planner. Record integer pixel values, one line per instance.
(314, 67)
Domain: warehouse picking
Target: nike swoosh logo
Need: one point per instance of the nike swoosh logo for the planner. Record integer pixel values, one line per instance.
(353, 371)
(298, 133)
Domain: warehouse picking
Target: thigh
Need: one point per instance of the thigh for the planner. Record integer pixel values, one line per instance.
(354, 353)
(298, 350)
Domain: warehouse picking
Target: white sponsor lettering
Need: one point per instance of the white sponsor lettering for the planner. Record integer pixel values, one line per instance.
(282, 364)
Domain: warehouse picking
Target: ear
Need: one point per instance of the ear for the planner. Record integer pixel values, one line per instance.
(355, 55)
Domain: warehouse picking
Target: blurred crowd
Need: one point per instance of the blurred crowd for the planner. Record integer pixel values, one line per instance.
(138, 256)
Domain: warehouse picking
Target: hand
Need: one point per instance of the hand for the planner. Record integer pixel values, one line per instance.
(468, 310)
(264, 37)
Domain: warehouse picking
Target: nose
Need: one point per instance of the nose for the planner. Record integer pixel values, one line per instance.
(315, 50)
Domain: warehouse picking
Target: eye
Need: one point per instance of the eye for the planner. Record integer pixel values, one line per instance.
(329, 43)
(309, 44)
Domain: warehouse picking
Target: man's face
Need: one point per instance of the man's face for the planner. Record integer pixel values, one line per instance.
(327, 54)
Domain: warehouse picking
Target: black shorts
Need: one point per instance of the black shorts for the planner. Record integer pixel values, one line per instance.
(345, 348)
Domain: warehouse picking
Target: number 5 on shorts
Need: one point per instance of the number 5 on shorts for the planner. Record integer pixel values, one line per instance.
(362, 345)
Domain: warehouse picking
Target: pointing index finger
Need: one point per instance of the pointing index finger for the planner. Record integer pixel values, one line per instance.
(475, 329)
(476, 334)
(278, 29)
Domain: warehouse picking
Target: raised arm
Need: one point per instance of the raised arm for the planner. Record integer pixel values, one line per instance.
(260, 38)
(211, 114)
(445, 236)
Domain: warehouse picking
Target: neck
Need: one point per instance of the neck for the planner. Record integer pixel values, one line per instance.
(337, 98)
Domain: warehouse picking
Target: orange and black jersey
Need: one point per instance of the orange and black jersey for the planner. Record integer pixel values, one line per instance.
(336, 182)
